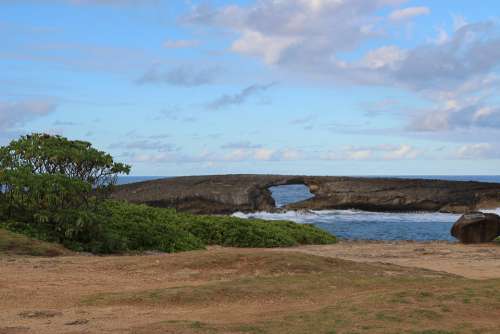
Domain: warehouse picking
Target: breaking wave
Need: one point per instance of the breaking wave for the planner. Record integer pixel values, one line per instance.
(364, 225)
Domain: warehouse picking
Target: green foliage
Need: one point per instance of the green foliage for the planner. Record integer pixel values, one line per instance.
(139, 228)
(120, 227)
(236, 232)
(56, 155)
(26, 194)
(131, 227)
(53, 188)
(497, 240)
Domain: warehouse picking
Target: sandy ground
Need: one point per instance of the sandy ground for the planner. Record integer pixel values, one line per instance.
(471, 261)
(47, 295)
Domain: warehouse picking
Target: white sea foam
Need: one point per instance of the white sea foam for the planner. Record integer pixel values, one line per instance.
(495, 211)
(332, 216)
(363, 225)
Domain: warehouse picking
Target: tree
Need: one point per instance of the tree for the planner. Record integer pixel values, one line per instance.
(46, 154)
(55, 186)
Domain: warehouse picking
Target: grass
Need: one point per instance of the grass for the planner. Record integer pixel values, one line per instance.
(298, 293)
(17, 244)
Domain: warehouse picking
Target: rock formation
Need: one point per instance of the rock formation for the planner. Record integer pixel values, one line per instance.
(477, 227)
(225, 194)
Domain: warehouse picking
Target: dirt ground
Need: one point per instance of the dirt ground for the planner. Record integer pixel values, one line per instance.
(351, 287)
(471, 261)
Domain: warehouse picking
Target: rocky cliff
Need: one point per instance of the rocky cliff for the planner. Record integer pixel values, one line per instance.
(223, 194)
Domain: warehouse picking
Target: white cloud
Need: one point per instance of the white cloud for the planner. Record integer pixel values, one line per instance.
(459, 22)
(408, 13)
(238, 154)
(264, 154)
(472, 151)
(359, 154)
(377, 152)
(291, 154)
(402, 152)
(16, 114)
(386, 56)
(442, 36)
(142, 152)
(308, 36)
(466, 110)
(286, 32)
(261, 154)
(388, 152)
(254, 43)
(313, 37)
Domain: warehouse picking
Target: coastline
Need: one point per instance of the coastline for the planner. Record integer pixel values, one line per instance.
(226, 194)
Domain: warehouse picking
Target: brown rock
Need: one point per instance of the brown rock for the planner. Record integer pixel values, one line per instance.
(225, 194)
(477, 227)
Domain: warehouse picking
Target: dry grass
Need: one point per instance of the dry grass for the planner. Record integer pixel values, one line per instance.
(18, 244)
(247, 291)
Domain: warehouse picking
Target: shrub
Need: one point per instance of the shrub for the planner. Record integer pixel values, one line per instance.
(236, 232)
(123, 227)
(131, 227)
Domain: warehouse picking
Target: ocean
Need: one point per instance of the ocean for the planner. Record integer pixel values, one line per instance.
(363, 225)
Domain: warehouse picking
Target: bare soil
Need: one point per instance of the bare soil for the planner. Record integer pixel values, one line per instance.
(480, 261)
(349, 288)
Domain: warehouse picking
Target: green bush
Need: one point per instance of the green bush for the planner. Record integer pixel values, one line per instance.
(497, 240)
(131, 227)
(141, 227)
(123, 227)
(236, 232)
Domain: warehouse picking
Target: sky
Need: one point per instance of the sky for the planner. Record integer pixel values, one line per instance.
(316, 87)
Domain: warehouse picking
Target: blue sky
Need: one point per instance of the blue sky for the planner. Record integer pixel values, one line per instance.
(326, 87)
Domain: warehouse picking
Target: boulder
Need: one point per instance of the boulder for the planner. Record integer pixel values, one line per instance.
(477, 227)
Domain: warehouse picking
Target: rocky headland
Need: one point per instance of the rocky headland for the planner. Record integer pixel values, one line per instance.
(225, 194)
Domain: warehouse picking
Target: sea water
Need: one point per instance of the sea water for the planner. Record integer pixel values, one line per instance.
(363, 225)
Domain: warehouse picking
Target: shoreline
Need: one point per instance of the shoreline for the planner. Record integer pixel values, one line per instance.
(226, 194)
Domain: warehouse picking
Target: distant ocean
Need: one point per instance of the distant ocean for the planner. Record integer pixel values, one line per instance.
(479, 178)
(363, 225)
